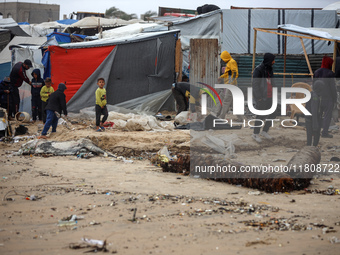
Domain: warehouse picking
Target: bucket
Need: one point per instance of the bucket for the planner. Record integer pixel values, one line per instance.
(22, 117)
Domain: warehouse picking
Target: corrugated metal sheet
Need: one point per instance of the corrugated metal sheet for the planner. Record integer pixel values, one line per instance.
(204, 61)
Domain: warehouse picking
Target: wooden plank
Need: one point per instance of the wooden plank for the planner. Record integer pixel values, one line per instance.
(306, 56)
(178, 60)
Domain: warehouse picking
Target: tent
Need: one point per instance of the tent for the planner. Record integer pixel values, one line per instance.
(11, 25)
(5, 54)
(43, 28)
(235, 28)
(132, 67)
(93, 25)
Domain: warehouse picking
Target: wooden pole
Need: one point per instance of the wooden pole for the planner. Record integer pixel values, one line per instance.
(306, 56)
(254, 50)
(285, 61)
(334, 55)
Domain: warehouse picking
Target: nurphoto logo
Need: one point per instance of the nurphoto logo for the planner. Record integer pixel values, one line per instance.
(239, 102)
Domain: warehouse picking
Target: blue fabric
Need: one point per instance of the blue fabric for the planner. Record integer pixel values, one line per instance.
(47, 64)
(23, 23)
(63, 37)
(51, 120)
(5, 70)
(67, 21)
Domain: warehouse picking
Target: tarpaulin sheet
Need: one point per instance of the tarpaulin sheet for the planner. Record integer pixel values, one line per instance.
(63, 37)
(74, 66)
(238, 30)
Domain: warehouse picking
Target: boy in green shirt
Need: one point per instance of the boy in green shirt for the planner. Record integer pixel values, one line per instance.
(101, 108)
(45, 93)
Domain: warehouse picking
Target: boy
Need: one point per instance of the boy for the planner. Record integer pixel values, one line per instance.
(37, 83)
(56, 104)
(101, 108)
(45, 93)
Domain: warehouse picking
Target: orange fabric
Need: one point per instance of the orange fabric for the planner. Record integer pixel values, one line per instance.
(74, 66)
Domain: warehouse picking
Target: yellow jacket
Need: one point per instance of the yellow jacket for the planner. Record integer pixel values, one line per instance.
(45, 93)
(230, 68)
(101, 97)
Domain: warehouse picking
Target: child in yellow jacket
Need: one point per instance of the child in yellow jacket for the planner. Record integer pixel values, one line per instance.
(45, 93)
(101, 108)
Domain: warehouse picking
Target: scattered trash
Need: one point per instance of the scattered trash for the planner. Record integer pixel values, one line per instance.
(334, 240)
(134, 215)
(69, 221)
(254, 193)
(96, 245)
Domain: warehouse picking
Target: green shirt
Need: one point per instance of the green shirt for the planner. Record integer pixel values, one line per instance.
(101, 97)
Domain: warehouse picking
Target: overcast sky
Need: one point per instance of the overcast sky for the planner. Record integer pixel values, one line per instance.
(141, 6)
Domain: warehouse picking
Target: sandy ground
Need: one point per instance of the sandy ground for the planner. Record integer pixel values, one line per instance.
(138, 209)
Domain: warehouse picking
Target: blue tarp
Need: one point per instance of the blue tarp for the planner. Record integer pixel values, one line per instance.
(23, 23)
(67, 21)
(5, 69)
(47, 64)
(63, 37)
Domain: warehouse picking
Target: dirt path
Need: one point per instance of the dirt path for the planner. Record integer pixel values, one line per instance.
(174, 214)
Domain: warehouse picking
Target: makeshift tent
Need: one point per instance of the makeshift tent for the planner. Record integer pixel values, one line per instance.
(11, 25)
(238, 29)
(93, 25)
(235, 28)
(44, 28)
(330, 36)
(5, 54)
(132, 67)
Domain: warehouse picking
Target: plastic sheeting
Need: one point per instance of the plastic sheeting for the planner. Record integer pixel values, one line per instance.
(128, 30)
(74, 66)
(42, 29)
(238, 35)
(202, 26)
(63, 37)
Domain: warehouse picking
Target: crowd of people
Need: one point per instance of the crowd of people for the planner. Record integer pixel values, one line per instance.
(47, 105)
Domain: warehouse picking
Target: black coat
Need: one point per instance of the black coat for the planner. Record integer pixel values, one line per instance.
(57, 101)
(261, 72)
(327, 76)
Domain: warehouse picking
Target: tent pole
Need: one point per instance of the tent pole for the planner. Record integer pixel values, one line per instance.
(334, 55)
(306, 56)
(254, 50)
(284, 61)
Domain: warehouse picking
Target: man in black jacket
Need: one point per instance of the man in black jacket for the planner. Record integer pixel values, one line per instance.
(262, 94)
(56, 104)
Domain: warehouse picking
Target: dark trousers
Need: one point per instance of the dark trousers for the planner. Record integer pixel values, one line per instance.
(16, 100)
(264, 105)
(36, 107)
(182, 104)
(313, 136)
(101, 111)
(326, 112)
(43, 106)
